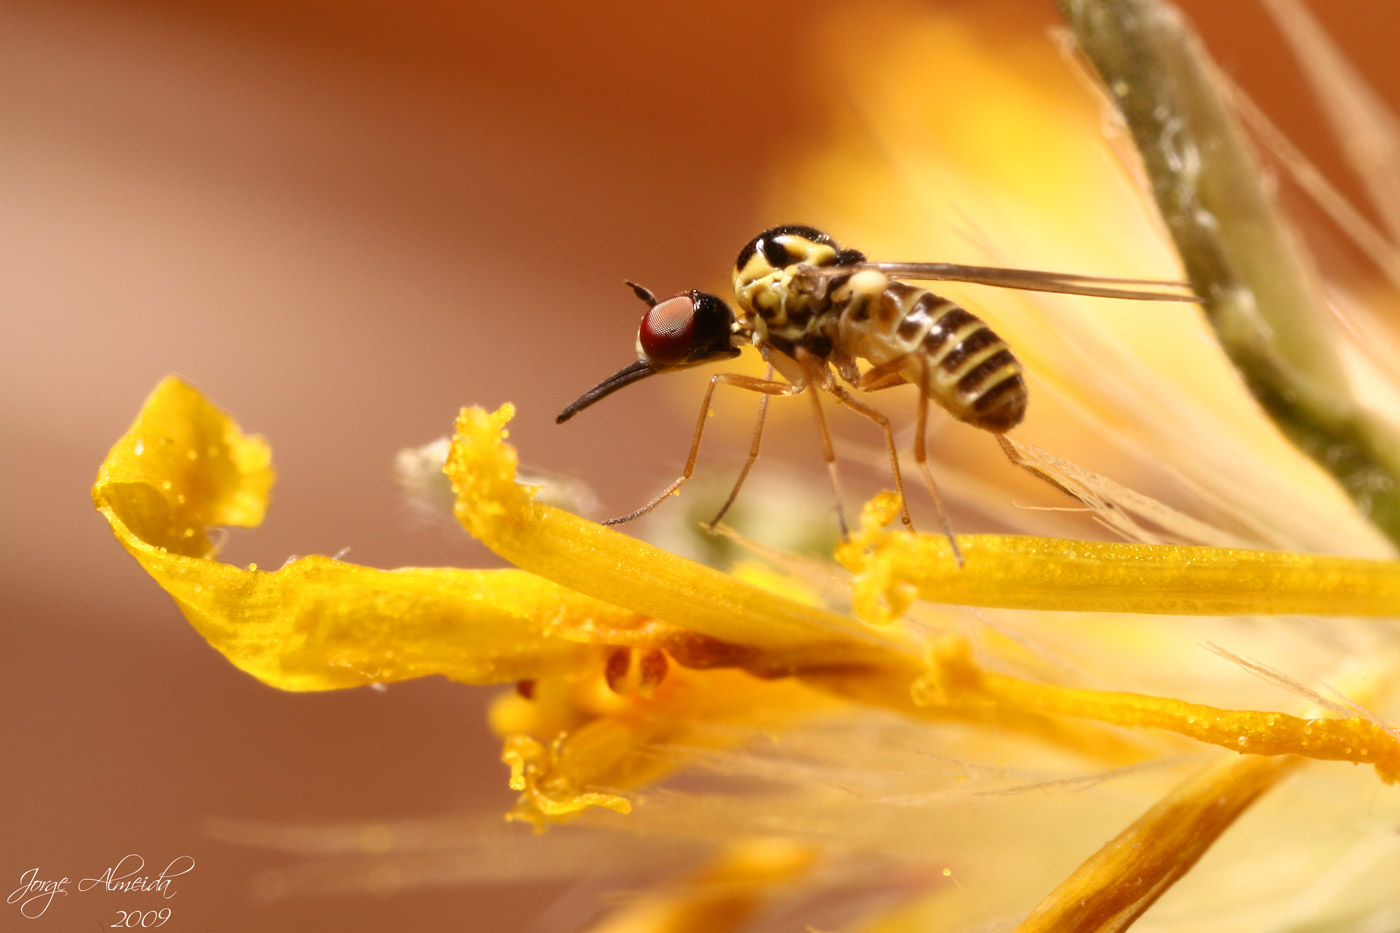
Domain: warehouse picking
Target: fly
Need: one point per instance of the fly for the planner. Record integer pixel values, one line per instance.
(813, 309)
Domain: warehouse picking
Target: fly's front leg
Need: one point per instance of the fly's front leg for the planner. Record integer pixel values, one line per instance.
(765, 386)
(830, 454)
(753, 454)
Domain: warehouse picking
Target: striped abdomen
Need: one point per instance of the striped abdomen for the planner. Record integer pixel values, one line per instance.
(971, 371)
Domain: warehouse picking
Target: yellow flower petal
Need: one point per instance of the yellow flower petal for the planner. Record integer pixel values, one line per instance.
(1252, 732)
(596, 560)
(1023, 572)
(317, 623)
(183, 466)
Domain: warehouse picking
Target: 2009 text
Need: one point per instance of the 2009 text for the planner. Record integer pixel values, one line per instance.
(131, 919)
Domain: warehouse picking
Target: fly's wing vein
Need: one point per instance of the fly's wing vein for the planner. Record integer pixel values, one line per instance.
(1034, 280)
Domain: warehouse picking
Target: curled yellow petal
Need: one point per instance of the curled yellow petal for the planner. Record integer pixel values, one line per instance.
(596, 560)
(317, 623)
(1021, 572)
(181, 467)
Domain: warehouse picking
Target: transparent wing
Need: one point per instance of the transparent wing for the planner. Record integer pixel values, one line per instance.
(1033, 280)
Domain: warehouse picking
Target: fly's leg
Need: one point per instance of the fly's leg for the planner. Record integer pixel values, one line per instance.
(765, 386)
(830, 454)
(886, 375)
(879, 418)
(885, 381)
(921, 458)
(817, 374)
(753, 455)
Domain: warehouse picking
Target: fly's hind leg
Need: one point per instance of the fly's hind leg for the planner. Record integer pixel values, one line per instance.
(889, 374)
(767, 387)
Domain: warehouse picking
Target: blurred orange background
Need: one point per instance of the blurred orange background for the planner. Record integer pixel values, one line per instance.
(343, 220)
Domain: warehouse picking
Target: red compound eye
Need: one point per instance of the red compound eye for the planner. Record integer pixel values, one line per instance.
(665, 334)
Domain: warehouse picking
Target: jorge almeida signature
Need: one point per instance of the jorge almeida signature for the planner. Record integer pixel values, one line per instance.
(35, 894)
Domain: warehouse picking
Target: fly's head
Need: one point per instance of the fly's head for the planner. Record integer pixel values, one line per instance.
(686, 330)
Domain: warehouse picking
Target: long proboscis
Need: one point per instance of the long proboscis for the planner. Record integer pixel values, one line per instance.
(1037, 281)
(623, 377)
